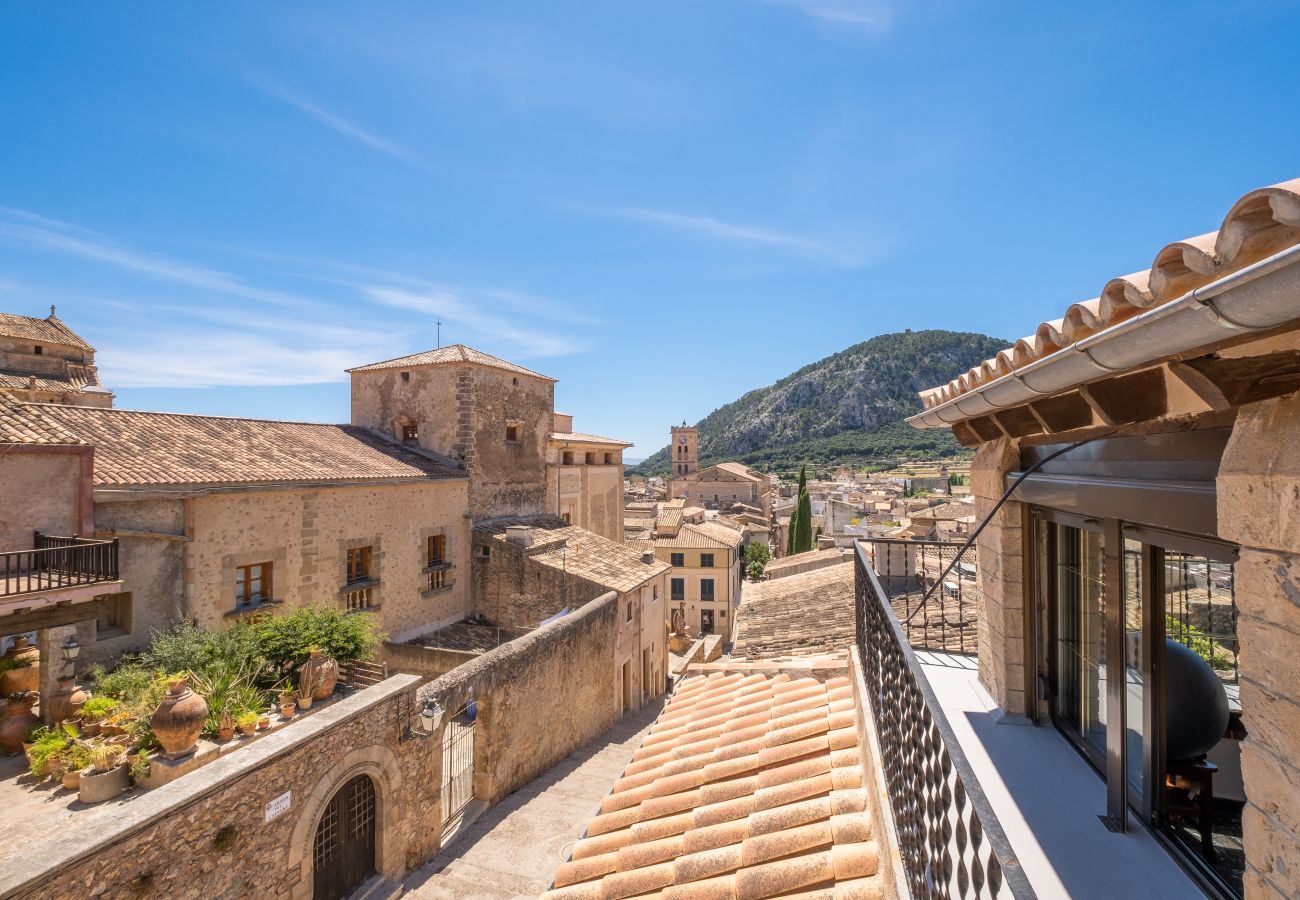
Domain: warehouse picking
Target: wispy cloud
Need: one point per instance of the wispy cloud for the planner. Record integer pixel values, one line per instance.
(230, 330)
(338, 123)
(855, 15)
(744, 234)
(63, 237)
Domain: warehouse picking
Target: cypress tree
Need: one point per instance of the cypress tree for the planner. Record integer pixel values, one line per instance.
(801, 537)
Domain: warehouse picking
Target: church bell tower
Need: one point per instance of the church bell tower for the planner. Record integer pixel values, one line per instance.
(685, 450)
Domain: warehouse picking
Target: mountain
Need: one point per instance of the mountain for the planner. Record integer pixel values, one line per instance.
(847, 408)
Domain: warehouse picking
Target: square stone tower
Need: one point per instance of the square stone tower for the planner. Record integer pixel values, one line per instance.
(685, 450)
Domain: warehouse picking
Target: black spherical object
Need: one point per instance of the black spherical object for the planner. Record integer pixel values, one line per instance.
(1196, 704)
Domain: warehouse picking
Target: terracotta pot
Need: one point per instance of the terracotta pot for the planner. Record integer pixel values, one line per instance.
(246, 730)
(304, 702)
(226, 734)
(99, 786)
(323, 672)
(28, 678)
(72, 779)
(179, 719)
(89, 729)
(66, 700)
(263, 722)
(17, 723)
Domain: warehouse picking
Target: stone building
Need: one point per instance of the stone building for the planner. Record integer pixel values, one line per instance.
(706, 561)
(1155, 533)
(217, 518)
(45, 361)
(498, 420)
(685, 450)
(724, 485)
(527, 570)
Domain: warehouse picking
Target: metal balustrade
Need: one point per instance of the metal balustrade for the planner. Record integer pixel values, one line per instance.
(950, 841)
(907, 569)
(57, 562)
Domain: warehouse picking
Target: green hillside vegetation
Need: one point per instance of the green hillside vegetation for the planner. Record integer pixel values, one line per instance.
(846, 409)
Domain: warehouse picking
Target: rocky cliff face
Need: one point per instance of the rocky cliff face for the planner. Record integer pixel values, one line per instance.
(861, 393)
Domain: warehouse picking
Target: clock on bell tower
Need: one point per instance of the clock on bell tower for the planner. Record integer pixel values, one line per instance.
(685, 450)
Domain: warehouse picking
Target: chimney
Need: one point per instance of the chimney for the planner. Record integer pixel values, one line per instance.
(520, 534)
(648, 557)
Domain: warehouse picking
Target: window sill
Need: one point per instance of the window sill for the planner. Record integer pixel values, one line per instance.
(364, 609)
(252, 608)
(438, 590)
(359, 585)
(436, 567)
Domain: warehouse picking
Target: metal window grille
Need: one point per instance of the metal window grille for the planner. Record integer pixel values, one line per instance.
(457, 765)
(907, 569)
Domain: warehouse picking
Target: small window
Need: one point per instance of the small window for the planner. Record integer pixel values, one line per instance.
(567, 517)
(629, 610)
(609, 459)
(677, 588)
(411, 432)
(38, 350)
(437, 549)
(406, 376)
(677, 559)
(655, 596)
(591, 459)
(358, 564)
(252, 585)
(114, 619)
(706, 560)
(568, 457)
(706, 588)
(512, 434)
(484, 552)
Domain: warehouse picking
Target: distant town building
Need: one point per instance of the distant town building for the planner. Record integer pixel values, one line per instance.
(45, 361)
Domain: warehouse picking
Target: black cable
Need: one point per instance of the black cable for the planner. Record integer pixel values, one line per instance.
(1001, 500)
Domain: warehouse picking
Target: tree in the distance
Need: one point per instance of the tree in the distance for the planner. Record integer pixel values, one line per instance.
(801, 533)
(757, 556)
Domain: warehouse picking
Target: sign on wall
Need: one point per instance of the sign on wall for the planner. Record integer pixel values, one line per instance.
(279, 806)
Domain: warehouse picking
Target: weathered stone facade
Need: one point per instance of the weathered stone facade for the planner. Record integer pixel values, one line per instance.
(588, 495)
(42, 491)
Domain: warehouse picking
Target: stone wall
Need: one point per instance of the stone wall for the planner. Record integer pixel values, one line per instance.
(305, 534)
(41, 491)
(539, 697)
(165, 842)
(427, 662)
(511, 594)
(1001, 620)
(591, 495)
(1259, 509)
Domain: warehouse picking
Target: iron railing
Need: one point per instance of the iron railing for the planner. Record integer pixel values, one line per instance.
(57, 562)
(950, 841)
(457, 764)
(907, 569)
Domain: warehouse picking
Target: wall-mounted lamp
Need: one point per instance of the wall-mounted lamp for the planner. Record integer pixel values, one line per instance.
(70, 648)
(430, 716)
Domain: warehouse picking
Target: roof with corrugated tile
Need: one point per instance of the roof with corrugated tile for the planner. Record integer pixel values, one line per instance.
(455, 354)
(143, 449)
(49, 330)
(22, 423)
(747, 785)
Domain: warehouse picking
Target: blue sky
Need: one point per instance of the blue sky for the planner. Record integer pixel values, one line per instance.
(662, 204)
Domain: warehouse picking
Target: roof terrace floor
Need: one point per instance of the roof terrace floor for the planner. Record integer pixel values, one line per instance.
(1048, 799)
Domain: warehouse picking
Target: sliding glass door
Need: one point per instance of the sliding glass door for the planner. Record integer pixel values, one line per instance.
(1076, 573)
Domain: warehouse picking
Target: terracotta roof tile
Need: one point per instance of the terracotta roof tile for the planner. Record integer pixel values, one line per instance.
(1263, 222)
(456, 354)
(576, 551)
(789, 814)
(809, 613)
(49, 330)
(577, 437)
(23, 423)
(140, 449)
(701, 535)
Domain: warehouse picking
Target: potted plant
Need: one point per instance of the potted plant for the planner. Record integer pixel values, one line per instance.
(263, 721)
(307, 683)
(247, 722)
(19, 721)
(94, 711)
(225, 726)
(107, 775)
(72, 759)
(20, 667)
(41, 746)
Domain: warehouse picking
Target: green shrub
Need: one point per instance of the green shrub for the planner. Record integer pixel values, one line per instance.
(188, 648)
(1198, 642)
(129, 682)
(45, 743)
(347, 637)
(98, 707)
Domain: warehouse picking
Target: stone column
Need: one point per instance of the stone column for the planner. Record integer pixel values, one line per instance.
(1259, 509)
(1002, 605)
(50, 641)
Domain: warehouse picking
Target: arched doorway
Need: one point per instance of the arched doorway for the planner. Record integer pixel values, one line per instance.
(343, 853)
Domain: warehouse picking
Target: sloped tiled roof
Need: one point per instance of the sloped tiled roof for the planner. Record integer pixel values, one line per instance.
(747, 786)
(22, 423)
(49, 330)
(577, 437)
(455, 354)
(949, 511)
(800, 615)
(810, 558)
(135, 448)
(576, 551)
(703, 536)
(1261, 223)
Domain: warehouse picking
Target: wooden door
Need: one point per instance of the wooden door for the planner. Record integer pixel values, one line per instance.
(344, 853)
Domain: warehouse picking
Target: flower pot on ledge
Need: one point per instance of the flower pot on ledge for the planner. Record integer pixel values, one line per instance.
(179, 719)
(96, 787)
